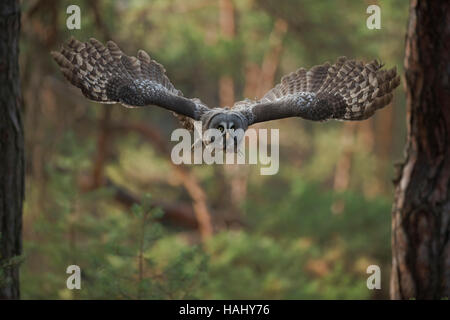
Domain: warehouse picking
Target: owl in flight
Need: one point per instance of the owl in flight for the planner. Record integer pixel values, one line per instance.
(346, 90)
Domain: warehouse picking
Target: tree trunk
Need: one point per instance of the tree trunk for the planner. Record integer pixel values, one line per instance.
(421, 212)
(11, 151)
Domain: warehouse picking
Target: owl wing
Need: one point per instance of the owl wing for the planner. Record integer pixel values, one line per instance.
(107, 75)
(347, 90)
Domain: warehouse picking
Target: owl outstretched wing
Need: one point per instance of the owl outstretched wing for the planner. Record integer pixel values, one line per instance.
(106, 75)
(346, 90)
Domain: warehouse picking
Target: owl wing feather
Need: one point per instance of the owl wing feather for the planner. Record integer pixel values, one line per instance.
(346, 90)
(106, 75)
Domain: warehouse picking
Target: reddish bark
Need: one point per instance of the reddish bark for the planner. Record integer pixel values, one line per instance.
(421, 212)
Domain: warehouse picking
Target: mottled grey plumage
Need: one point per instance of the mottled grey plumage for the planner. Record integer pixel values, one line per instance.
(346, 90)
(107, 75)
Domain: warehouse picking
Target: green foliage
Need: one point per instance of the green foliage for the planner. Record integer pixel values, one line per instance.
(297, 248)
(249, 266)
(121, 254)
(310, 211)
(127, 266)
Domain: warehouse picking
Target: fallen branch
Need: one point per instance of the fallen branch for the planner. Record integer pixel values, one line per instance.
(188, 180)
(180, 214)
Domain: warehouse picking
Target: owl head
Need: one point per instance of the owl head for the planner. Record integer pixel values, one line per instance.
(224, 128)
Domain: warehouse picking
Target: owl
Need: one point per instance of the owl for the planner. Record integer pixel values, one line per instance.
(345, 90)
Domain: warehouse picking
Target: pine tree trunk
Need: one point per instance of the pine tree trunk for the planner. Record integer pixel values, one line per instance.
(421, 212)
(11, 150)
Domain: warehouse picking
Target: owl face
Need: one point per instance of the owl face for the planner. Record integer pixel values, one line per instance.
(228, 130)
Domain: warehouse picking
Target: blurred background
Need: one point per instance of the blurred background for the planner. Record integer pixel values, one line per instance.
(102, 192)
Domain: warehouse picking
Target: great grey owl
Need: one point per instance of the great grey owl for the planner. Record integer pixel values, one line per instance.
(346, 90)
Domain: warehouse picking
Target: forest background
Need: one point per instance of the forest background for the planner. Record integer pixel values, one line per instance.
(102, 192)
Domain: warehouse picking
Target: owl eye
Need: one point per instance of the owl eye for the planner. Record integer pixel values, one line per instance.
(221, 128)
(232, 126)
